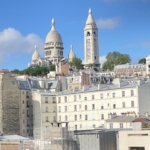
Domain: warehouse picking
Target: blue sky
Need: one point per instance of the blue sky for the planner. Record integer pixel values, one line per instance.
(124, 26)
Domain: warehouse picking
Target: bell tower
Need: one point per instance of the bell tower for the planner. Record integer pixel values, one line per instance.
(91, 49)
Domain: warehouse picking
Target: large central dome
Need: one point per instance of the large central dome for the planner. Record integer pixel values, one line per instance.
(53, 35)
(53, 45)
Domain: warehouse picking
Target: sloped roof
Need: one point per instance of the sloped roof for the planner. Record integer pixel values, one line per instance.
(52, 84)
(121, 119)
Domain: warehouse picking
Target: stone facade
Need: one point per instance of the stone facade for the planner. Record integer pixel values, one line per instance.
(9, 104)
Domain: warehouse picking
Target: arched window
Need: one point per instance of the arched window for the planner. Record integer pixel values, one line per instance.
(88, 33)
(94, 33)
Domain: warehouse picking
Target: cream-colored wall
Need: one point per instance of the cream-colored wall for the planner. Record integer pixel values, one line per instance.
(136, 139)
(98, 103)
(51, 110)
(116, 125)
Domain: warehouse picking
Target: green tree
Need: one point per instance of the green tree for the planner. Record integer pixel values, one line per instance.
(37, 71)
(115, 58)
(76, 62)
(142, 61)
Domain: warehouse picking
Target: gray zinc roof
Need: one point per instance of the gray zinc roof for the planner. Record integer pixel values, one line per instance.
(121, 119)
(52, 84)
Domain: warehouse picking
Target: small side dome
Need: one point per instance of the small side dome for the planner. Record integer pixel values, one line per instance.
(35, 55)
(71, 54)
(53, 35)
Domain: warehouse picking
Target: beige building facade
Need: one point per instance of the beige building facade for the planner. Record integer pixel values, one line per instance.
(90, 106)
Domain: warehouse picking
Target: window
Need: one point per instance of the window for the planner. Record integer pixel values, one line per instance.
(107, 94)
(23, 101)
(65, 108)
(132, 92)
(93, 125)
(80, 126)
(27, 94)
(54, 118)
(92, 96)
(27, 113)
(80, 116)
(86, 117)
(75, 127)
(22, 92)
(79, 106)
(123, 93)
(85, 107)
(59, 100)
(132, 103)
(85, 98)
(59, 108)
(123, 105)
(27, 103)
(75, 107)
(75, 117)
(59, 118)
(114, 105)
(101, 96)
(46, 118)
(113, 95)
(102, 107)
(65, 98)
(79, 96)
(93, 106)
(53, 100)
(95, 57)
(111, 125)
(46, 109)
(74, 97)
(102, 116)
(66, 118)
(88, 33)
(121, 125)
(46, 99)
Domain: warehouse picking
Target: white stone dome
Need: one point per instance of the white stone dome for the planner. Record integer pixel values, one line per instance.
(71, 54)
(53, 35)
(35, 55)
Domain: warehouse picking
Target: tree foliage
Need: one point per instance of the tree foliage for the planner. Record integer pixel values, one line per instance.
(115, 58)
(76, 62)
(142, 61)
(37, 71)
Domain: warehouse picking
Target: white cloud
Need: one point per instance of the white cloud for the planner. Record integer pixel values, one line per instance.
(108, 23)
(102, 59)
(12, 40)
